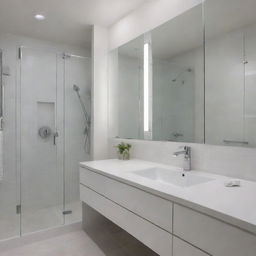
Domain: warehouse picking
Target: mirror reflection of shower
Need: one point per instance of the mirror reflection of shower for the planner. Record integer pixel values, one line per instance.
(189, 70)
(87, 120)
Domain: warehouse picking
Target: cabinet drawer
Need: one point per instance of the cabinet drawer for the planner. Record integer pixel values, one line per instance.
(93, 180)
(181, 248)
(146, 205)
(211, 235)
(154, 237)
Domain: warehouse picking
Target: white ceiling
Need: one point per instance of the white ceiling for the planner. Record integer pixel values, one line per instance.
(67, 21)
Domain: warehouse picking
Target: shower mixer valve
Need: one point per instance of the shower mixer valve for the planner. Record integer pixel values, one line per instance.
(45, 132)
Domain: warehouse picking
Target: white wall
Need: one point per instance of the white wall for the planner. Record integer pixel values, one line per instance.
(146, 18)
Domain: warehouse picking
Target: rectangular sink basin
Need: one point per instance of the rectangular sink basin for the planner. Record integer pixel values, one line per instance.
(177, 178)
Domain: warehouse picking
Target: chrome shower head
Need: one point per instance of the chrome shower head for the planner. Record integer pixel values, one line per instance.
(76, 88)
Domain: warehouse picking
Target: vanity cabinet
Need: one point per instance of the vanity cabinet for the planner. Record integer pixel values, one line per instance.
(212, 235)
(154, 237)
(167, 228)
(153, 208)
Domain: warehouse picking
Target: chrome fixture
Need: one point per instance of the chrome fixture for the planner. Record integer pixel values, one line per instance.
(44, 132)
(186, 151)
(77, 89)
(87, 119)
(189, 70)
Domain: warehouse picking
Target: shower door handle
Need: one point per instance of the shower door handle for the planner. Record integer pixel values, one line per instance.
(55, 135)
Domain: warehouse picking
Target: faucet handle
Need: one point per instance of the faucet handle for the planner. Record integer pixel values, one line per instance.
(183, 147)
(188, 151)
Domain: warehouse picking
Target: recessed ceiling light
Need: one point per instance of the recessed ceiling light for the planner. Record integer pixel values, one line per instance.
(39, 17)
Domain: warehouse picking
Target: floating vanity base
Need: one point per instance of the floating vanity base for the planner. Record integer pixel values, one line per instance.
(168, 228)
(155, 238)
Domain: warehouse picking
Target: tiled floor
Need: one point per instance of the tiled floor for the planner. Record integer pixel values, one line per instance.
(75, 242)
(39, 219)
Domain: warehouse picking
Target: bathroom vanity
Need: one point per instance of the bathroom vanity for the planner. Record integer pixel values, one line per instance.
(171, 212)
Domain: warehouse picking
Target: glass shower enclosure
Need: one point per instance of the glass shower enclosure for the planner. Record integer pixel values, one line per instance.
(42, 191)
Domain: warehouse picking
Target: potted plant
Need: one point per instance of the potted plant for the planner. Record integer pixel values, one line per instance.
(123, 150)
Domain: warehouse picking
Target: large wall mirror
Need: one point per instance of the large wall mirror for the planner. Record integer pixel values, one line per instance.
(193, 79)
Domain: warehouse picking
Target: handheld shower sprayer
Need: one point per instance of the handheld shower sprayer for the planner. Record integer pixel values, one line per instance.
(76, 88)
(87, 119)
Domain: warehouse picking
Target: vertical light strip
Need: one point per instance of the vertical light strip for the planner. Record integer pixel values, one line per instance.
(146, 87)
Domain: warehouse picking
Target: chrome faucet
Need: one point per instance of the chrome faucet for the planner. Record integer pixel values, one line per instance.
(187, 157)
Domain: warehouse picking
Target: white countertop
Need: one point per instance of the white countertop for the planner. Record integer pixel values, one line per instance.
(234, 205)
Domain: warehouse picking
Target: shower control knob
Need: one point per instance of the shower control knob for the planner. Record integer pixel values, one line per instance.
(45, 132)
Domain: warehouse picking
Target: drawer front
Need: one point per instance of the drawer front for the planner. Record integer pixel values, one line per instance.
(152, 236)
(181, 248)
(93, 180)
(211, 235)
(148, 206)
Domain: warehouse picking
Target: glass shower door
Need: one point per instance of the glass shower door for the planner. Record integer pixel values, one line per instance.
(77, 89)
(249, 85)
(9, 180)
(41, 170)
